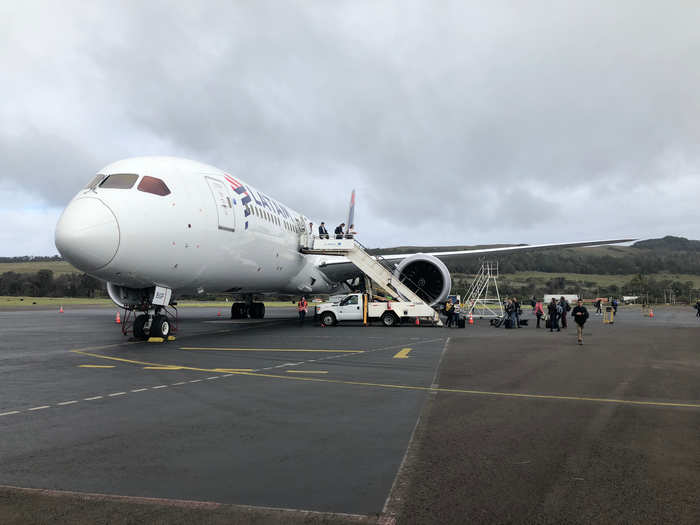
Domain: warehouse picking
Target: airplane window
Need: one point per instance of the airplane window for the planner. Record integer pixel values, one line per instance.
(122, 181)
(155, 186)
(94, 182)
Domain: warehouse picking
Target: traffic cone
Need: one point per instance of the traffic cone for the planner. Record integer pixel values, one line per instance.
(218, 313)
(471, 318)
(651, 313)
(60, 310)
(118, 319)
(417, 322)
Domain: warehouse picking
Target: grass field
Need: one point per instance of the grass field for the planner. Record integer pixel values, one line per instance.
(600, 280)
(57, 267)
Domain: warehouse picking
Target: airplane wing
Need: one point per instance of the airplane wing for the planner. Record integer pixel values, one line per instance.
(340, 268)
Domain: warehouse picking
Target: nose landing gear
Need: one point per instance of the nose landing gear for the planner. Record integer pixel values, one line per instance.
(161, 323)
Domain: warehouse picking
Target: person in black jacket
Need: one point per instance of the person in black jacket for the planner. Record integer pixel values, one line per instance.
(553, 315)
(340, 230)
(322, 232)
(697, 307)
(580, 314)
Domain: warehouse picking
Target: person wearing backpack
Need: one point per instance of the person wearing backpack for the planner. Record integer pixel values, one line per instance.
(565, 307)
(580, 315)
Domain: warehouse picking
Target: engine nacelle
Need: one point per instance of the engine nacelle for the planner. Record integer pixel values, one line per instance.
(130, 298)
(426, 275)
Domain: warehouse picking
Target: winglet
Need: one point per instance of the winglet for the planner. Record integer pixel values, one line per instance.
(351, 212)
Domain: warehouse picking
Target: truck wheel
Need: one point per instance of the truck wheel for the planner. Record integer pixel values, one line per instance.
(389, 319)
(328, 319)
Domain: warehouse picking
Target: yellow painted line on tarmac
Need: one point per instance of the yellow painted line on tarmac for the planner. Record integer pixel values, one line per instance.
(143, 363)
(480, 392)
(96, 366)
(232, 370)
(403, 353)
(271, 350)
(307, 371)
(162, 368)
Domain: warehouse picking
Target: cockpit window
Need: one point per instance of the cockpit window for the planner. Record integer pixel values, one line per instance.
(153, 185)
(122, 181)
(94, 182)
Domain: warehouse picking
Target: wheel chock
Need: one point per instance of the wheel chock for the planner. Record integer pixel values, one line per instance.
(171, 338)
(155, 340)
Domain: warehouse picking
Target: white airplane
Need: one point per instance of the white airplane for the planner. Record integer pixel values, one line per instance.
(154, 228)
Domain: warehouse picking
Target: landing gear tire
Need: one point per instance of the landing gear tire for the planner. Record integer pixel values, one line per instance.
(236, 311)
(139, 322)
(257, 310)
(389, 319)
(328, 319)
(160, 326)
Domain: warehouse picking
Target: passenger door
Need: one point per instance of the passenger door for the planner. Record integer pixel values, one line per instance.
(351, 308)
(224, 205)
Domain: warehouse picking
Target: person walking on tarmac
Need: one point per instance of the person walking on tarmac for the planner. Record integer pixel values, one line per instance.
(580, 314)
(697, 307)
(517, 311)
(565, 307)
(539, 312)
(302, 306)
(552, 310)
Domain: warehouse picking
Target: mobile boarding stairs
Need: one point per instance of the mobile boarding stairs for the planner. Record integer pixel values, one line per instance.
(376, 269)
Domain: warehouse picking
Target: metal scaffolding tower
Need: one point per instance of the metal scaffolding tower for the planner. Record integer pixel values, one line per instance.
(482, 299)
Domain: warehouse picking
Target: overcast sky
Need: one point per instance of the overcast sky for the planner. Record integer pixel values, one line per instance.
(457, 122)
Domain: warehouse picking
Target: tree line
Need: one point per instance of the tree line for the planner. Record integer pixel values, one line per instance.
(44, 284)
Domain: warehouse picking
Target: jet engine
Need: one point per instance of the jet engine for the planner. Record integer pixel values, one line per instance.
(130, 297)
(426, 275)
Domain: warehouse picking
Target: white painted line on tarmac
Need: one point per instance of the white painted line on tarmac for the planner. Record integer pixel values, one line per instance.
(195, 380)
(11, 412)
(180, 383)
(159, 386)
(212, 377)
(93, 398)
(115, 394)
(38, 408)
(139, 389)
(64, 403)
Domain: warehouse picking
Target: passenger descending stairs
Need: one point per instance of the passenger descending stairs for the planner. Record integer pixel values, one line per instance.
(377, 269)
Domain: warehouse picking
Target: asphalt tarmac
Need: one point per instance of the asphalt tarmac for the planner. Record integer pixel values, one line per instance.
(409, 424)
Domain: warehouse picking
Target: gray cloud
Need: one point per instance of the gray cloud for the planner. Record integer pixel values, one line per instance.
(475, 123)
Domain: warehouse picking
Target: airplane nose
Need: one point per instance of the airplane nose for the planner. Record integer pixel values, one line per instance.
(87, 234)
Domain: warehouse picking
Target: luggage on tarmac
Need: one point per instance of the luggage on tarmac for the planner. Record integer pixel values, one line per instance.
(509, 323)
(461, 322)
(523, 322)
(548, 323)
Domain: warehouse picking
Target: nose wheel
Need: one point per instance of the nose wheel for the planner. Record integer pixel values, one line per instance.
(162, 323)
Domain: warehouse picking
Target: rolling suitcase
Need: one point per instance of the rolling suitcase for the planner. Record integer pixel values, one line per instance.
(461, 322)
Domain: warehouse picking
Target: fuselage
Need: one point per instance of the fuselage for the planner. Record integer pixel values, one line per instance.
(187, 226)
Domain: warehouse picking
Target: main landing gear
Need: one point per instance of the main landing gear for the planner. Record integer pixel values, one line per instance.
(248, 309)
(162, 322)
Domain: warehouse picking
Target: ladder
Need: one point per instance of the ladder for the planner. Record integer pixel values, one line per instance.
(376, 268)
(477, 300)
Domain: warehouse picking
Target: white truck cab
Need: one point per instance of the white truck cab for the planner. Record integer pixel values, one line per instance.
(359, 307)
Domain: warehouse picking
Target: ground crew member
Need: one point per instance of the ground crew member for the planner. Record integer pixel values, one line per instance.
(302, 305)
(697, 307)
(449, 312)
(580, 314)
